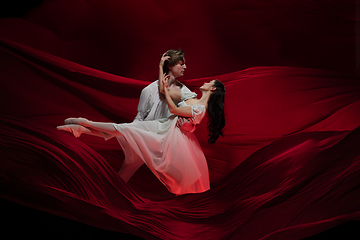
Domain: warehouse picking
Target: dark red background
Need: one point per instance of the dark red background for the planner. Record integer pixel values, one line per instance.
(289, 159)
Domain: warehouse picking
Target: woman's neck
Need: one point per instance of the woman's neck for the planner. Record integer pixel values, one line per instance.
(205, 95)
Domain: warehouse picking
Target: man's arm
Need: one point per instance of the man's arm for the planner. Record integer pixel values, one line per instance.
(186, 124)
(144, 105)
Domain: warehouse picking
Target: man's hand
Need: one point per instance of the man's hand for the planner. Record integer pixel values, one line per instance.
(185, 124)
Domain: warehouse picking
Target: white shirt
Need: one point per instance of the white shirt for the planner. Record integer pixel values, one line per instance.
(152, 104)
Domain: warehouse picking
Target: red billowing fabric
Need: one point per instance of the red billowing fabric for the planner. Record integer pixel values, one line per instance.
(288, 166)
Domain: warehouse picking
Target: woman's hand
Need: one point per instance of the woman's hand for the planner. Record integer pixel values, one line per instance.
(163, 59)
(161, 72)
(165, 81)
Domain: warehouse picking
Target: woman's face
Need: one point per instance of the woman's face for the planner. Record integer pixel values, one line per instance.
(178, 69)
(208, 86)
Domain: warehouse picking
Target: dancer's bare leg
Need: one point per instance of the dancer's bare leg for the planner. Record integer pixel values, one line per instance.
(77, 130)
(99, 126)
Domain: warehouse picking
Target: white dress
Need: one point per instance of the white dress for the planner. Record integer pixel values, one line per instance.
(173, 155)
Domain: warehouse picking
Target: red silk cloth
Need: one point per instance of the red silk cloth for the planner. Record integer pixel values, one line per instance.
(288, 166)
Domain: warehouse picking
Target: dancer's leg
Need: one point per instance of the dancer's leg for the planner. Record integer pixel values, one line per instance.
(128, 169)
(98, 129)
(100, 126)
(77, 130)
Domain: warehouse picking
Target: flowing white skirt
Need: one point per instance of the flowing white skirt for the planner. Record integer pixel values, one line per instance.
(174, 156)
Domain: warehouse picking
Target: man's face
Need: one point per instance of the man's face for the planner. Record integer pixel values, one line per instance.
(178, 69)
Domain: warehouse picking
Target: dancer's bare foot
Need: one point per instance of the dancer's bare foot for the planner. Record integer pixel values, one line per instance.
(75, 129)
(79, 121)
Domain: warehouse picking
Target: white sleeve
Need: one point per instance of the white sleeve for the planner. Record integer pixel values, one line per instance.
(145, 102)
(198, 113)
(186, 93)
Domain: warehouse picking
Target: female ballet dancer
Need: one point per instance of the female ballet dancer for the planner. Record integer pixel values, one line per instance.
(172, 154)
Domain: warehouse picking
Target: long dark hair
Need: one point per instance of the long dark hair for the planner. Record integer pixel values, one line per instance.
(215, 112)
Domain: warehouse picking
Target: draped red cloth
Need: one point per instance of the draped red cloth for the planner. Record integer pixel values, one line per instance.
(288, 166)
